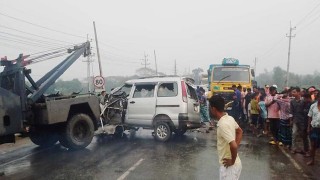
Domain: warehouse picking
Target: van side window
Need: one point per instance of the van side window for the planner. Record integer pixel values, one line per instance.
(192, 92)
(168, 90)
(144, 91)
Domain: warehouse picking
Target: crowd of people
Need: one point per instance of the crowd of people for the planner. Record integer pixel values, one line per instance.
(287, 117)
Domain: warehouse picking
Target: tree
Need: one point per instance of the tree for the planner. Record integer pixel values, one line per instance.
(278, 76)
(65, 87)
(147, 72)
(196, 75)
(143, 72)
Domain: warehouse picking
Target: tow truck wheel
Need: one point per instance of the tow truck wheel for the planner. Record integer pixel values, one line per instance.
(43, 137)
(78, 132)
(162, 131)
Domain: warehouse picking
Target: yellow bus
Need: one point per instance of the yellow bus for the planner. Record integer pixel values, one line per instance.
(222, 76)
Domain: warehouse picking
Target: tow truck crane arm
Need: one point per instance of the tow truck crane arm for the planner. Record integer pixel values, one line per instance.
(47, 80)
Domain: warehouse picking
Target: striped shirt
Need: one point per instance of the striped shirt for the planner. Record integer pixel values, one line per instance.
(284, 104)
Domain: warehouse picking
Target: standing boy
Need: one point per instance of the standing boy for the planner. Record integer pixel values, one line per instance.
(203, 107)
(254, 113)
(263, 114)
(229, 136)
(314, 127)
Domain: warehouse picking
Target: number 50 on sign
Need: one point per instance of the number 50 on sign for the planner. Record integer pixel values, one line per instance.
(98, 81)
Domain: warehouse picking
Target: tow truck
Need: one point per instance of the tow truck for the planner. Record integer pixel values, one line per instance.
(71, 120)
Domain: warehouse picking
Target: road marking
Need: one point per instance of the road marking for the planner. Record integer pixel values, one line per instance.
(124, 175)
(12, 161)
(294, 162)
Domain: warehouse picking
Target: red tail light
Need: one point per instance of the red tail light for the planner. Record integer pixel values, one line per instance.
(184, 92)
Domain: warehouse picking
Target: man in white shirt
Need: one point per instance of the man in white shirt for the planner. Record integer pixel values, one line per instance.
(314, 128)
(229, 136)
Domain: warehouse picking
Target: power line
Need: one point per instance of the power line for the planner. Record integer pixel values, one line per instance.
(15, 46)
(303, 28)
(50, 29)
(106, 54)
(33, 34)
(109, 52)
(122, 63)
(32, 39)
(23, 42)
(57, 49)
(117, 60)
(300, 22)
(116, 48)
(107, 45)
(308, 14)
(272, 48)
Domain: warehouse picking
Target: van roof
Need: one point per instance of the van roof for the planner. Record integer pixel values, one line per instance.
(160, 79)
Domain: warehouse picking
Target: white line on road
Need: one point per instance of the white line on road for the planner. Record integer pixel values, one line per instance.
(294, 162)
(124, 175)
(15, 160)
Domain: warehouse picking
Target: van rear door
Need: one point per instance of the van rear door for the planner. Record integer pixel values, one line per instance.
(168, 100)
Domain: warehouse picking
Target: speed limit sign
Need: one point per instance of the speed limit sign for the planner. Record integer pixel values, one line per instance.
(98, 81)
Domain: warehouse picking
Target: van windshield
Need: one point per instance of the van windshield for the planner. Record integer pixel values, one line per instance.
(125, 88)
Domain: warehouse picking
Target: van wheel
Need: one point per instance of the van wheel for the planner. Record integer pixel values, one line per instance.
(162, 132)
(180, 132)
(78, 132)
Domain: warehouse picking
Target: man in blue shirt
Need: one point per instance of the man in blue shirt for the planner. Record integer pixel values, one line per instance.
(236, 103)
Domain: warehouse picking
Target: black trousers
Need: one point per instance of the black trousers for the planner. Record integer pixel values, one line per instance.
(274, 127)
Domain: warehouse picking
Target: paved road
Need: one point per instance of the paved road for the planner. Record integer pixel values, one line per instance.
(138, 156)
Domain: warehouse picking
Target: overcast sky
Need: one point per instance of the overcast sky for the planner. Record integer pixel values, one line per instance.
(194, 33)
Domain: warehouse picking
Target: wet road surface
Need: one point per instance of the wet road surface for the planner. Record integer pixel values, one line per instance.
(138, 156)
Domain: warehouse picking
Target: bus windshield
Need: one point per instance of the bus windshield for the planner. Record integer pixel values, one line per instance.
(230, 74)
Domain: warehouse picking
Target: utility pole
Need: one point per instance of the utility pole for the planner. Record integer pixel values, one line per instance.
(146, 61)
(288, 64)
(98, 53)
(175, 67)
(255, 67)
(89, 60)
(88, 69)
(155, 60)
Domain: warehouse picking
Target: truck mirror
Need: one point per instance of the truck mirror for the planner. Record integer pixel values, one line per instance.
(252, 73)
